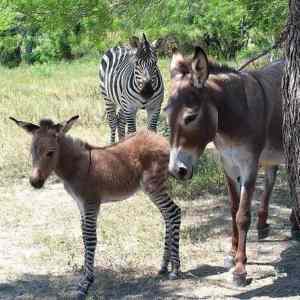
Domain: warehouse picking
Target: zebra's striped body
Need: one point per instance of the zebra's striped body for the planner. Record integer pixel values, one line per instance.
(97, 175)
(130, 80)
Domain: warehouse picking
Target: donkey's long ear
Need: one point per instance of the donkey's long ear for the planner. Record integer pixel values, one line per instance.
(66, 126)
(178, 65)
(29, 127)
(199, 67)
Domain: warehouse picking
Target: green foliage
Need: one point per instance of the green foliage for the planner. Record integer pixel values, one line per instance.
(54, 29)
(208, 177)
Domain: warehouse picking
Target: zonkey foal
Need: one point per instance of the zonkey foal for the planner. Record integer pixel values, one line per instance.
(95, 175)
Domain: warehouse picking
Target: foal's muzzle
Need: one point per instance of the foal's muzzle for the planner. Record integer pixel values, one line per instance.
(36, 182)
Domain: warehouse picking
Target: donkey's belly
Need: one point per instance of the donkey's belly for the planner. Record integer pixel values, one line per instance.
(270, 157)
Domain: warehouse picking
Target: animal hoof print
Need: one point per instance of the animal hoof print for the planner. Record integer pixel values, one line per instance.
(228, 262)
(240, 280)
(173, 276)
(295, 234)
(263, 232)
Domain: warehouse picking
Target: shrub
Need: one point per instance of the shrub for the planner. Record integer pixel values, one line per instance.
(208, 177)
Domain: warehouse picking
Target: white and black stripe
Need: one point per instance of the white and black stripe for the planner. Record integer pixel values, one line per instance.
(130, 80)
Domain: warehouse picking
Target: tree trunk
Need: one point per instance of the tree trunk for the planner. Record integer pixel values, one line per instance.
(291, 102)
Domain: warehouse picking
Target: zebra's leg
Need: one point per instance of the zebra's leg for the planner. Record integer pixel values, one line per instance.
(130, 117)
(263, 227)
(89, 216)
(121, 124)
(155, 186)
(112, 119)
(153, 116)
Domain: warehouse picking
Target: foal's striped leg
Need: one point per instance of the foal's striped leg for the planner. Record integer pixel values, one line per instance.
(89, 235)
(171, 213)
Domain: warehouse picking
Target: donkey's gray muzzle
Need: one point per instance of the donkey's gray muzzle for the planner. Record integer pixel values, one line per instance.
(181, 164)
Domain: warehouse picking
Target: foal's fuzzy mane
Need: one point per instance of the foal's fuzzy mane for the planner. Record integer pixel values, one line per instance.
(46, 123)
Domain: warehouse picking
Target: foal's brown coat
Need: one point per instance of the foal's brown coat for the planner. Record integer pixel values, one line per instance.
(94, 175)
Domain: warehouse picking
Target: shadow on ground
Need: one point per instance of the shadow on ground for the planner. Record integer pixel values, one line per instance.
(288, 277)
(108, 285)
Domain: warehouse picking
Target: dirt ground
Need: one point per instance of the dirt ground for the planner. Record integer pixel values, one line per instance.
(41, 251)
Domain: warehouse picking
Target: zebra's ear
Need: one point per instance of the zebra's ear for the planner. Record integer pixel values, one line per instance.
(199, 67)
(134, 42)
(157, 43)
(145, 42)
(179, 66)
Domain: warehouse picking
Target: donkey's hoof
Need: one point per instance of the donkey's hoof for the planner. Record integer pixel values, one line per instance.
(239, 280)
(263, 232)
(228, 262)
(295, 234)
(173, 275)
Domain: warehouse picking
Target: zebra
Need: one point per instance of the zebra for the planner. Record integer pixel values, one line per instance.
(130, 80)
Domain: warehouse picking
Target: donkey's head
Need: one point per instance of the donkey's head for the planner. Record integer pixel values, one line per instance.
(44, 147)
(192, 114)
(145, 66)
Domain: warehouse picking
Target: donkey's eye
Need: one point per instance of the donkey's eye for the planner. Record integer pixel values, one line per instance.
(189, 119)
(50, 153)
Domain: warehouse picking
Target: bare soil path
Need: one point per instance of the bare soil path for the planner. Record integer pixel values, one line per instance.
(41, 250)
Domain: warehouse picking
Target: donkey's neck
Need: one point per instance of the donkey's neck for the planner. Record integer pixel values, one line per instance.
(74, 157)
(231, 102)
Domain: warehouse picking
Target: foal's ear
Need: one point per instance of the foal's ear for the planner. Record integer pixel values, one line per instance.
(199, 67)
(178, 66)
(29, 127)
(66, 126)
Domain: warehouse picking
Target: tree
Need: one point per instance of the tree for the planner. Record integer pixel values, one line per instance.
(291, 105)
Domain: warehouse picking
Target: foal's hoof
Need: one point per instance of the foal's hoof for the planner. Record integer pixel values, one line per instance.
(228, 262)
(173, 275)
(263, 232)
(240, 280)
(295, 234)
(163, 271)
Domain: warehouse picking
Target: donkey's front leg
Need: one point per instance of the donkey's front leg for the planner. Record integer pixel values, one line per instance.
(243, 220)
(89, 235)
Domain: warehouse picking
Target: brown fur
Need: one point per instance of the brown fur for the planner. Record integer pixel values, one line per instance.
(242, 114)
(95, 175)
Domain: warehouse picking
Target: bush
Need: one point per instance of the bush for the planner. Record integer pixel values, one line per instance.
(208, 177)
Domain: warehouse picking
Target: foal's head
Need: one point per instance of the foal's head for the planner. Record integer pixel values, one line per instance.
(45, 146)
(192, 115)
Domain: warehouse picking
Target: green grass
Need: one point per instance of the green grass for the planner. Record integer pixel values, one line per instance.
(59, 91)
(41, 248)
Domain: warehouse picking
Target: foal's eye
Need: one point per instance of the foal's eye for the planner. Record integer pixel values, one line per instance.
(189, 119)
(50, 153)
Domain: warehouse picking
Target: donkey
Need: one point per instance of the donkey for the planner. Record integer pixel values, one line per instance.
(241, 112)
(95, 175)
